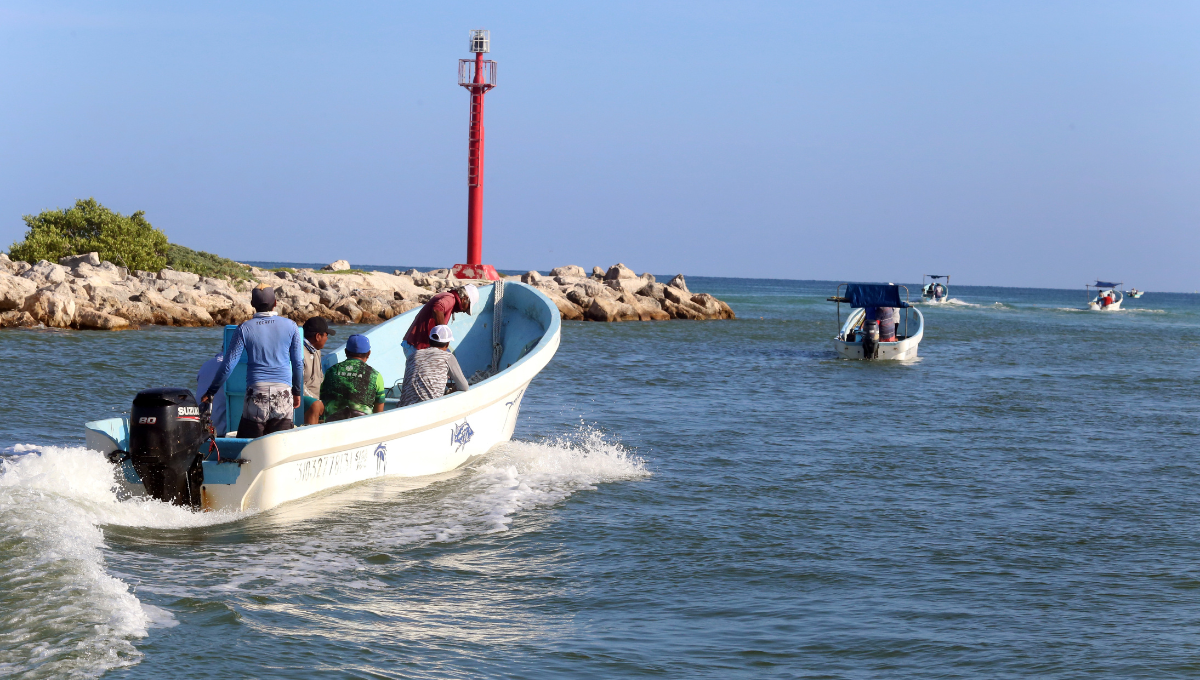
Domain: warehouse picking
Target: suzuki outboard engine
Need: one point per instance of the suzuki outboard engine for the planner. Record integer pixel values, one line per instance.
(165, 434)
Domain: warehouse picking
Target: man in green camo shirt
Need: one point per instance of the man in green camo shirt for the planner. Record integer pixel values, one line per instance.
(352, 388)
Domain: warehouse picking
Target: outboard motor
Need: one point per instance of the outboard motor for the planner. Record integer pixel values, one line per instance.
(870, 338)
(165, 434)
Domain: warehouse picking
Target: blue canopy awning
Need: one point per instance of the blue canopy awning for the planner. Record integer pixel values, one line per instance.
(874, 295)
(938, 276)
(1105, 284)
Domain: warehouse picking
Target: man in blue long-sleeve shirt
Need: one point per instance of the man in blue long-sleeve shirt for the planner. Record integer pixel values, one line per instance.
(274, 368)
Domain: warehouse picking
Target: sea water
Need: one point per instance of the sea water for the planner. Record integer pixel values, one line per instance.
(681, 499)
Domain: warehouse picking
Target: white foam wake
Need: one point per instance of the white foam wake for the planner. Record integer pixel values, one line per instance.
(64, 615)
(392, 515)
(521, 476)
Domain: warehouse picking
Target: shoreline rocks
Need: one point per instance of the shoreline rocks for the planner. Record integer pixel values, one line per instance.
(86, 293)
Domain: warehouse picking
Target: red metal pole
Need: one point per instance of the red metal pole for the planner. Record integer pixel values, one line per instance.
(475, 169)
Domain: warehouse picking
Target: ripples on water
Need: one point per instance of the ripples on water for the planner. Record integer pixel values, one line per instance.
(1019, 501)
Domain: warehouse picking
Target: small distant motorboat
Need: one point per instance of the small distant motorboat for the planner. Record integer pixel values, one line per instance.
(935, 291)
(1135, 293)
(1108, 296)
(855, 342)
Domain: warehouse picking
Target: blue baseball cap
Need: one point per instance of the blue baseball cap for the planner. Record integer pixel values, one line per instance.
(358, 344)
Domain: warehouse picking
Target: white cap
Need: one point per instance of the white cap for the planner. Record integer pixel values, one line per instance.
(441, 334)
(472, 295)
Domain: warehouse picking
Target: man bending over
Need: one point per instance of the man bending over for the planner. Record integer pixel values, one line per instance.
(438, 312)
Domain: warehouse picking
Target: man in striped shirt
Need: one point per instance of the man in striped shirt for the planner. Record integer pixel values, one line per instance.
(426, 371)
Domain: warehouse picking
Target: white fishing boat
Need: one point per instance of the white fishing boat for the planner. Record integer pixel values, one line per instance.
(1108, 297)
(935, 291)
(513, 335)
(1134, 293)
(856, 341)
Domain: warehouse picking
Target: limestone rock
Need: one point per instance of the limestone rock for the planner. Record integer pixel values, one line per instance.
(626, 285)
(580, 297)
(351, 309)
(51, 308)
(136, 313)
(679, 311)
(597, 272)
(105, 272)
(567, 309)
(179, 279)
(376, 306)
(106, 297)
(72, 261)
(45, 272)
(567, 282)
(676, 295)
(531, 277)
(611, 310)
(647, 309)
(570, 271)
(186, 297)
(619, 271)
(653, 290)
(14, 290)
(337, 266)
(90, 318)
(713, 308)
(17, 319)
(678, 282)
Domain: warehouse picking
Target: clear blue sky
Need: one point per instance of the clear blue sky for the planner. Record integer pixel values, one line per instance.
(1010, 143)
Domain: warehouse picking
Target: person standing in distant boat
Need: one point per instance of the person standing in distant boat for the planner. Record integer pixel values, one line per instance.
(316, 334)
(274, 368)
(438, 312)
(886, 318)
(425, 374)
(352, 388)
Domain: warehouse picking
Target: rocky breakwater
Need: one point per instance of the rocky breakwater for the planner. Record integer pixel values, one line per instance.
(620, 295)
(84, 292)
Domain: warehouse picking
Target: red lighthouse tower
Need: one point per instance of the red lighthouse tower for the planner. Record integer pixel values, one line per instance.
(477, 75)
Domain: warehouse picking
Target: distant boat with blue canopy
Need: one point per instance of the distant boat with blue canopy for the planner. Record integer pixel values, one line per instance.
(1107, 298)
(863, 336)
(935, 291)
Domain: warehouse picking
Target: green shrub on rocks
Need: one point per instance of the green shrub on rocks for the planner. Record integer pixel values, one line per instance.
(184, 259)
(128, 241)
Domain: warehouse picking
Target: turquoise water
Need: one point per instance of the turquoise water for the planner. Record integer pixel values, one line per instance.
(682, 499)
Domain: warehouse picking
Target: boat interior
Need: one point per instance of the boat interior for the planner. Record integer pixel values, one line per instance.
(523, 322)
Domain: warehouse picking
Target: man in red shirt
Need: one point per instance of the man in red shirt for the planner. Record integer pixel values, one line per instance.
(438, 312)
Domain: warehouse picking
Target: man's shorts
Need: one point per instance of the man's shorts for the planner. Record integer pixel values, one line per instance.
(307, 402)
(267, 409)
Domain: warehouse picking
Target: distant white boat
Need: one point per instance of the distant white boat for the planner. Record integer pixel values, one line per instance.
(1135, 293)
(852, 342)
(422, 439)
(935, 292)
(1108, 296)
